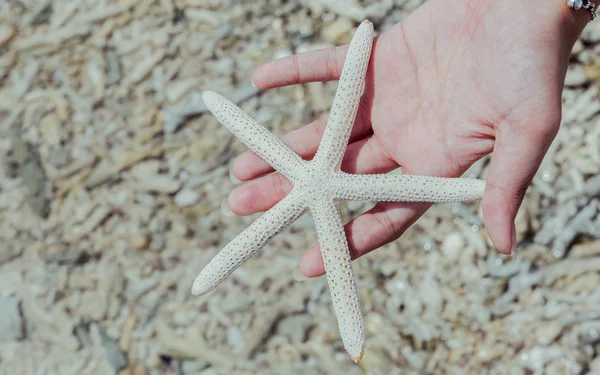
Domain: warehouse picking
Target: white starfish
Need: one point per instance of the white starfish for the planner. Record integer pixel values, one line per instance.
(319, 185)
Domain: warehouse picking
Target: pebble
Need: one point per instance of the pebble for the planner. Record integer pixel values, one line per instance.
(196, 42)
(578, 47)
(186, 197)
(374, 362)
(149, 57)
(225, 66)
(294, 326)
(145, 169)
(203, 16)
(575, 76)
(158, 184)
(591, 33)
(93, 305)
(139, 241)
(452, 245)
(548, 332)
(337, 30)
(11, 323)
(113, 353)
(193, 366)
(10, 252)
(235, 338)
(7, 32)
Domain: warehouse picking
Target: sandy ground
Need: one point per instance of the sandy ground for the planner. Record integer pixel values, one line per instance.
(111, 186)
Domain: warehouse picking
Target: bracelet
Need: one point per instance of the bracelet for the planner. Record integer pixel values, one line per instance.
(578, 4)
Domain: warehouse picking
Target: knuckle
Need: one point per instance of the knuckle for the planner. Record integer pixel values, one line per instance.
(280, 185)
(295, 69)
(331, 63)
(384, 221)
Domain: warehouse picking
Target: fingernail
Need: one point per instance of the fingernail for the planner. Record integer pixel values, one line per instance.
(254, 84)
(298, 275)
(513, 248)
(225, 208)
(234, 180)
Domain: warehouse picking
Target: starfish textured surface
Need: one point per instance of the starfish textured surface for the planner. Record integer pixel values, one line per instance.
(319, 185)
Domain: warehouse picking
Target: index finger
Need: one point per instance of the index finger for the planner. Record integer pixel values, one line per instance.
(319, 65)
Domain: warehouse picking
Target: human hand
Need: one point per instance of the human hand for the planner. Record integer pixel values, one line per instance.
(451, 83)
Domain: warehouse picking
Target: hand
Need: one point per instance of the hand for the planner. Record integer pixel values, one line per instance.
(451, 83)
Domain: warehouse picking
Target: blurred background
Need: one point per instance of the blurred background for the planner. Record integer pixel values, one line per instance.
(112, 176)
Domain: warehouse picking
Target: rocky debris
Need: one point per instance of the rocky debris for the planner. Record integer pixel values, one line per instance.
(111, 197)
(24, 163)
(113, 353)
(186, 197)
(11, 323)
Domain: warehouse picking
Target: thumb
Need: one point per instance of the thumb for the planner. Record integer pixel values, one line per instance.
(518, 152)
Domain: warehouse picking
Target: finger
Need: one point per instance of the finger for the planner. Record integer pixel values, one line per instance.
(320, 65)
(518, 153)
(304, 141)
(364, 156)
(383, 224)
(259, 195)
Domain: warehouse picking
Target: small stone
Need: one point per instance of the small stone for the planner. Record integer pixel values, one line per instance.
(374, 362)
(203, 16)
(591, 33)
(235, 338)
(50, 129)
(177, 89)
(193, 366)
(94, 305)
(335, 32)
(113, 353)
(196, 42)
(224, 30)
(145, 169)
(186, 197)
(578, 47)
(548, 332)
(452, 245)
(10, 252)
(81, 279)
(7, 32)
(374, 323)
(159, 184)
(295, 326)
(11, 323)
(225, 66)
(575, 76)
(240, 303)
(146, 199)
(140, 241)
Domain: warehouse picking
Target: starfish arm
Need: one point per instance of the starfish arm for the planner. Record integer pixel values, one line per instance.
(248, 243)
(254, 135)
(347, 97)
(403, 188)
(338, 268)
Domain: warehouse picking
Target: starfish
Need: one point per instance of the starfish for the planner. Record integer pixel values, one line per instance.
(319, 186)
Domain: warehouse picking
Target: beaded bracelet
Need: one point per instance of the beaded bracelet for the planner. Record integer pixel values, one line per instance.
(585, 4)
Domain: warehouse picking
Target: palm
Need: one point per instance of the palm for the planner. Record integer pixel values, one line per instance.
(440, 97)
(450, 84)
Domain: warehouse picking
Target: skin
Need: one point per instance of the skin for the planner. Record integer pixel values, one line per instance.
(453, 82)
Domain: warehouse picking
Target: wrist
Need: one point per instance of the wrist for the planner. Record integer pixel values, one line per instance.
(570, 21)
